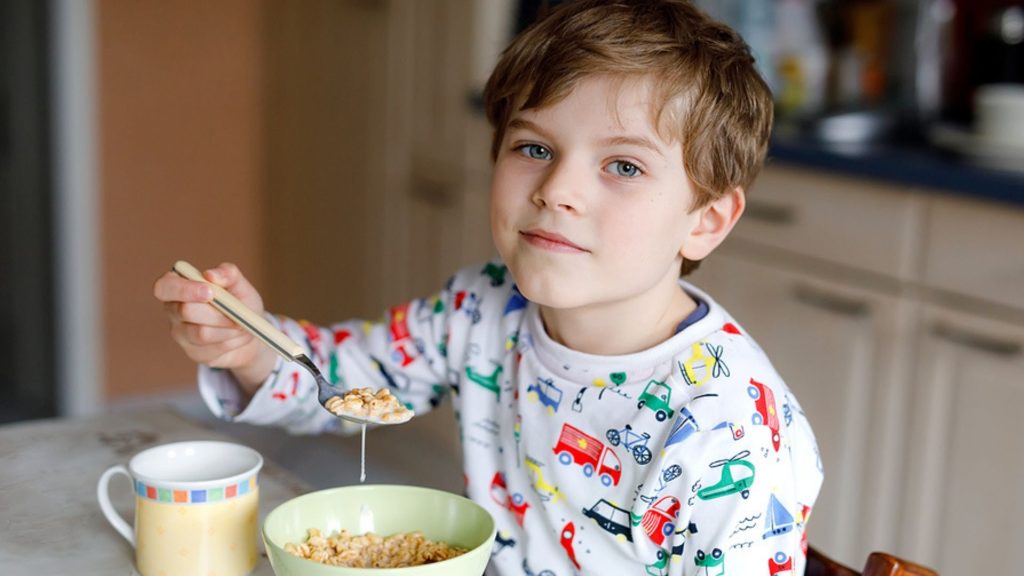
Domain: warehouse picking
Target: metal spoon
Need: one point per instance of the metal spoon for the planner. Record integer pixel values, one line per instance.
(278, 341)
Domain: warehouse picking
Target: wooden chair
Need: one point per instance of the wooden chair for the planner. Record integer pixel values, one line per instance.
(878, 564)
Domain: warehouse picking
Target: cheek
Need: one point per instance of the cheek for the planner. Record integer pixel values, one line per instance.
(506, 195)
(502, 208)
(624, 224)
(499, 205)
(653, 231)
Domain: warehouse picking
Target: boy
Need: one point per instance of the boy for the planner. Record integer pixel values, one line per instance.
(641, 430)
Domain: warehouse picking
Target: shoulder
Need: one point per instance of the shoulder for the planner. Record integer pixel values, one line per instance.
(488, 282)
(732, 384)
(488, 277)
(719, 352)
(483, 295)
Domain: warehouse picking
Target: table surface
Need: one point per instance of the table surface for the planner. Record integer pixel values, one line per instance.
(50, 520)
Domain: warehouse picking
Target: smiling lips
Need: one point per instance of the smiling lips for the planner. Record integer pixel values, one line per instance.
(550, 241)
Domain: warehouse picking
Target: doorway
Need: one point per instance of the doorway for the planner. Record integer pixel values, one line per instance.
(28, 362)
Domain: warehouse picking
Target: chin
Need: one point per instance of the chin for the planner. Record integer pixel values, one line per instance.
(548, 291)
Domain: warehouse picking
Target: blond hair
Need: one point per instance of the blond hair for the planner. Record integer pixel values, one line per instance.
(708, 93)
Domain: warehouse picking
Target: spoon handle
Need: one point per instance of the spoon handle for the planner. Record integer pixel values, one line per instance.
(242, 315)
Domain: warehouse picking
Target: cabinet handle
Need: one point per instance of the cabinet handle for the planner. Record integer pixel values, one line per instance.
(980, 342)
(770, 213)
(828, 302)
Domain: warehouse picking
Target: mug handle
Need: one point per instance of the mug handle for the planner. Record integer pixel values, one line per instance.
(103, 495)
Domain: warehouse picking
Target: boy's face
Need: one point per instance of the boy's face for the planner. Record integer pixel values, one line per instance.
(589, 204)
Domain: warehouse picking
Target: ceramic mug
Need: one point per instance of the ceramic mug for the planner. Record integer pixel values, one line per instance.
(196, 508)
(999, 114)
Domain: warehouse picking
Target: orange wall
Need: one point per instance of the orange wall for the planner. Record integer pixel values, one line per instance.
(181, 99)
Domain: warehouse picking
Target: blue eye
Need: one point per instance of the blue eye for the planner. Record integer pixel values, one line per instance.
(625, 169)
(535, 151)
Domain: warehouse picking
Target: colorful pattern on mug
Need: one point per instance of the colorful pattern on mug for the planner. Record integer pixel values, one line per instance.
(217, 494)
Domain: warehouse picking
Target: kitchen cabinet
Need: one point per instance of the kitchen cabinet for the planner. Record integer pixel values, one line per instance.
(842, 350)
(377, 175)
(896, 317)
(377, 171)
(439, 174)
(964, 471)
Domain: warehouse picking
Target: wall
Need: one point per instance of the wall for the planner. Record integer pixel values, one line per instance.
(181, 100)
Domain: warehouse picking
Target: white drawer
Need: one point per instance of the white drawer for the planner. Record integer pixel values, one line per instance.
(977, 249)
(858, 223)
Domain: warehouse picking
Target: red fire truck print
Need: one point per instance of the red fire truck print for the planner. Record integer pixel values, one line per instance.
(514, 502)
(403, 349)
(577, 447)
(765, 412)
(660, 520)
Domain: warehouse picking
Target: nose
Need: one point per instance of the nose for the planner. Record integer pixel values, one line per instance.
(561, 188)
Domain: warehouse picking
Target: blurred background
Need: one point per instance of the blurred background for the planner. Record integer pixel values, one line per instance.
(337, 152)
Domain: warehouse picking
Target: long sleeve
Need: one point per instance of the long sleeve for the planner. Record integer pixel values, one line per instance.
(751, 472)
(405, 351)
(739, 507)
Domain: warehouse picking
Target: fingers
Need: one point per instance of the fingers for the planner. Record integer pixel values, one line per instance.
(225, 275)
(231, 353)
(173, 288)
(202, 314)
(204, 335)
(230, 277)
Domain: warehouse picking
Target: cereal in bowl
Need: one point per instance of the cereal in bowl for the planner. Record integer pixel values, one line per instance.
(364, 403)
(372, 550)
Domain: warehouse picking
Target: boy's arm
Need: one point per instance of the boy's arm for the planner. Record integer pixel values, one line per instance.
(404, 351)
(745, 501)
(739, 506)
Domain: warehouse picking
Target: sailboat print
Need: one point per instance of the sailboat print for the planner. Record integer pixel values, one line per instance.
(778, 520)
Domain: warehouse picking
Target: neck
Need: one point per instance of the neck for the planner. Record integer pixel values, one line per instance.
(620, 327)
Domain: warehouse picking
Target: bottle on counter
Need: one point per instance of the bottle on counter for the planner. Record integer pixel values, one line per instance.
(801, 60)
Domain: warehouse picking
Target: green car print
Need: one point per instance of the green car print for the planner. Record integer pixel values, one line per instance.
(707, 561)
(656, 397)
(660, 566)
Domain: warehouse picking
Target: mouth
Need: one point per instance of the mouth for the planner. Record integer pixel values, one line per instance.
(550, 241)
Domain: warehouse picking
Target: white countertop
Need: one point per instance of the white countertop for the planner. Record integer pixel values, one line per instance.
(50, 521)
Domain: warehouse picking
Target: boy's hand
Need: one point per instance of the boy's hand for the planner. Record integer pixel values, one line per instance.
(209, 337)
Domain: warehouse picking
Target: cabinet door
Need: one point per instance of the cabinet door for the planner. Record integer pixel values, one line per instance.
(839, 350)
(965, 499)
(428, 104)
(326, 78)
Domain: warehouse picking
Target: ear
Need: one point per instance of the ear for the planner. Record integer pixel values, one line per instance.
(714, 224)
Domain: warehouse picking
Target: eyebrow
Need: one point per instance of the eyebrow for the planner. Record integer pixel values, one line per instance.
(520, 124)
(640, 141)
(633, 141)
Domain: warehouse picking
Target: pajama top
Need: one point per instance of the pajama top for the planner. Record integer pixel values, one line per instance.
(691, 457)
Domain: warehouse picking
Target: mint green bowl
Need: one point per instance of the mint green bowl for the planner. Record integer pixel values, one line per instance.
(441, 516)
